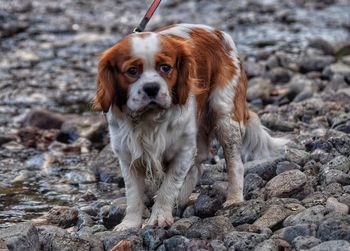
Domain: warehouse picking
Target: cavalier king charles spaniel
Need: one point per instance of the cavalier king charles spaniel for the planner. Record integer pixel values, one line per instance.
(167, 95)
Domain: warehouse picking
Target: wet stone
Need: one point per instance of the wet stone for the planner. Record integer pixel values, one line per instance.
(22, 236)
(63, 216)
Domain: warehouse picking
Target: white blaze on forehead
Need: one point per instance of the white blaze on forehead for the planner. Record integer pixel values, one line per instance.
(184, 30)
(146, 47)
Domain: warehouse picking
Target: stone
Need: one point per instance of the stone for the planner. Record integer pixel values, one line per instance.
(56, 239)
(275, 214)
(43, 119)
(328, 176)
(218, 245)
(322, 45)
(315, 199)
(176, 243)
(341, 144)
(279, 75)
(275, 123)
(336, 69)
(285, 184)
(210, 228)
(259, 88)
(242, 241)
(336, 245)
(265, 168)
(297, 156)
(340, 162)
(305, 242)
(181, 226)
(267, 245)
(110, 239)
(253, 69)
(106, 167)
(21, 236)
(114, 217)
(333, 205)
(245, 212)
(208, 202)
(153, 237)
(252, 182)
(286, 166)
(93, 128)
(334, 227)
(63, 216)
(315, 63)
(312, 215)
(291, 232)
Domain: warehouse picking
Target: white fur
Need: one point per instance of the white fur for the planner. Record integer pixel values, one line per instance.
(146, 47)
(184, 30)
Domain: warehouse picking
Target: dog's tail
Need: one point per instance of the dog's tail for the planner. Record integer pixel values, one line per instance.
(257, 142)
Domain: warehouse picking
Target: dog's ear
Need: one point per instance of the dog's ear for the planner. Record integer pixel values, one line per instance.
(186, 77)
(105, 88)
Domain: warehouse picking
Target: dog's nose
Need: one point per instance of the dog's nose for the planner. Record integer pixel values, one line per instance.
(151, 89)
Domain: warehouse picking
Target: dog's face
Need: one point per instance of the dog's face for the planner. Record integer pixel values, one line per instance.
(144, 71)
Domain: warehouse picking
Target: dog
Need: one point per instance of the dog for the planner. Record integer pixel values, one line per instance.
(167, 94)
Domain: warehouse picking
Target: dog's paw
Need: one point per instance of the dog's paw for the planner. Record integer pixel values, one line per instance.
(126, 225)
(231, 202)
(161, 218)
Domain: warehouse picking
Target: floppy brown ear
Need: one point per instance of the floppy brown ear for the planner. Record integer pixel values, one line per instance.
(186, 77)
(105, 88)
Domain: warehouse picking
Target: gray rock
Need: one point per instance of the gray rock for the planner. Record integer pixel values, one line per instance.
(106, 167)
(56, 239)
(176, 243)
(285, 184)
(286, 166)
(305, 242)
(208, 202)
(275, 123)
(259, 88)
(202, 245)
(114, 217)
(322, 45)
(267, 245)
(210, 228)
(182, 225)
(341, 144)
(22, 236)
(252, 182)
(253, 69)
(333, 205)
(290, 233)
(110, 239)
(315, 199)
(63, 216)
(242, 241)
(279, 75)
(218, 245)
(336, 245)
(245, 212)
(336, 69)
(265, 168)
(312, 215)
(153, 238)
(43, 119)
(315, 63)
(341, 163)
(297, 156)
(275, 214)
(329, 176)
(334, 227)
(188, 212)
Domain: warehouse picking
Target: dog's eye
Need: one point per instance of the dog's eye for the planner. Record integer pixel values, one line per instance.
(133, 72)
(165, 68)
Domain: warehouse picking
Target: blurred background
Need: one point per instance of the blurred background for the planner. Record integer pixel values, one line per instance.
(52, 146)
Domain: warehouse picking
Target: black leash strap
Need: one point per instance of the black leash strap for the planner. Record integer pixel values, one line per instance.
(148, 16)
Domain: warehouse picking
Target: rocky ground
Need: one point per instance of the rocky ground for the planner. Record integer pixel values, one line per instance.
(60, 188)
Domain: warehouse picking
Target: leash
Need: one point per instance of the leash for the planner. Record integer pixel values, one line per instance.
(141, 27)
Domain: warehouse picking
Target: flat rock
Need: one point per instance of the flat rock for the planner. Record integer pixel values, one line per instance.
(265, 168)
(312, 215)
(333, 205)
(210, 228)
(22, 236)
(334, 227)
(267, 245)
(182, 225)
(242, 241)
(63, 216)
(285, 184)
(291, 232)
(337, 245)
(305, 242)
(43, 119)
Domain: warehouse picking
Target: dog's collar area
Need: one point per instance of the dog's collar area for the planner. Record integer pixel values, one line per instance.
(142, 26)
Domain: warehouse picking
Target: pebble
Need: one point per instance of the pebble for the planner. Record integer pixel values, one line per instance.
(291, 232)
(285, 184)
(244, 240)
(312, 215)
(334, 227)
(337, 245)
(208, 203)
(63, 216)
(333, 205)
(305, 242)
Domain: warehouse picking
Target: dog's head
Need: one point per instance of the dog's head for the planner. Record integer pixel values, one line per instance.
(144, 71)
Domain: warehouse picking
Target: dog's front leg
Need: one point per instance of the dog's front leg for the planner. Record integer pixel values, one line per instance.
(169, 190)
(134, 184)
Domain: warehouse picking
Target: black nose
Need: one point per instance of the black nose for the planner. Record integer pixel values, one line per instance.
(151, 89)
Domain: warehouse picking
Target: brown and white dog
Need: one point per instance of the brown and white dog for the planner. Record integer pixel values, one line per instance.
(167, 95)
